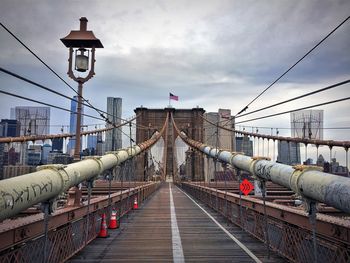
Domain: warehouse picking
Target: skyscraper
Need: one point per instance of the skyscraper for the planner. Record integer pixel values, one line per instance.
(91, 142)
(114, 136)
(9, 128)
(46, 149)
(73, 124)
(34, 155)
(57, 144)
(244, 144)
(221, 138)
(288, 153)
(33, 121)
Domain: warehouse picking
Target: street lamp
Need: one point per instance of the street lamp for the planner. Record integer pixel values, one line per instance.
(81, 43)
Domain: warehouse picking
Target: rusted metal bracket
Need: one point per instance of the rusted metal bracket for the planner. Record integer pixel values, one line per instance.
(258, 158)
(74, 197)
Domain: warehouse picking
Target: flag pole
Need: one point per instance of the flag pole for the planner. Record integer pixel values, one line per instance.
(169, 101)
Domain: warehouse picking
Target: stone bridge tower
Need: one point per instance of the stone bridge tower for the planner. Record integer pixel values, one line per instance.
(188, 120)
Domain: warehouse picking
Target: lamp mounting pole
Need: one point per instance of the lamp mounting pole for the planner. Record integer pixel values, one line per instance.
(82, 40)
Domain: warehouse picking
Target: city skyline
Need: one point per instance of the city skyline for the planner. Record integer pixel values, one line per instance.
(215, 54)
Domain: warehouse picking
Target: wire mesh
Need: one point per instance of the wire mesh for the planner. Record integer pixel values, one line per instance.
(67, 240)
(288, 240)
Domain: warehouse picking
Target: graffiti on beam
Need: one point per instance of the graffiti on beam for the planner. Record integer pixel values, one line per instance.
(23, 195)
(264, 170)
(20, 194)
(38, 189)
(8, 199)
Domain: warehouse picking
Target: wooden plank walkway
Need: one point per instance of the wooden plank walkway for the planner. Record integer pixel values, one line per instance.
(148, 235)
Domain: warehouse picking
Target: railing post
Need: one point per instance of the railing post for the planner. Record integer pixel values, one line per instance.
(47, 209)
(225, 174)
(109, 178)
(90, 184)
(312, 209)
(263, 191)
(240, 197)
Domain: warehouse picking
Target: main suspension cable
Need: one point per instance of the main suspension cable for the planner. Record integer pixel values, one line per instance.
(297, 97)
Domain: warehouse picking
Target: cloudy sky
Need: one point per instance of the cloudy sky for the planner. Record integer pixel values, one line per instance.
(214, 54)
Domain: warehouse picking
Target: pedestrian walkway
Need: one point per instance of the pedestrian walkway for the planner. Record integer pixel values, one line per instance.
(172, 227)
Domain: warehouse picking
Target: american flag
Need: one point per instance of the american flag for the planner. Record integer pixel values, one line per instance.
(173, 97)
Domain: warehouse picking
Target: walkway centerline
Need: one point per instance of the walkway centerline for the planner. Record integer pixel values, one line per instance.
(178, 254)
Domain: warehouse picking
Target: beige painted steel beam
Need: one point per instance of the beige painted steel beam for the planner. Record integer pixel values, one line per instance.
(308, 181)
(21, 192)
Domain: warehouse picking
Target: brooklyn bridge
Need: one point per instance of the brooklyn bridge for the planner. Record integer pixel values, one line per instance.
(173, 183)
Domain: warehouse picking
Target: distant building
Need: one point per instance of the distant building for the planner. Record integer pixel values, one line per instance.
(10, 128)
(244, 144)
(332, 167)
(288, 153)
(11, 157)
(100, 144)
(307, 124)
(309, 161)
(114, 136)
(56, 157)
(320, 160)
(88, 152)
(217, 137)
(92, 142)
(33, 120)
(337, 169)
(46, 149)
(57, 144)
(17, 170)
(2, 153)
(189, 165)
(34, 155)
(73, 125)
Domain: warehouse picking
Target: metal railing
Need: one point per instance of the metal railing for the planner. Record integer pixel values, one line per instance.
(289, 230)
(66, 238)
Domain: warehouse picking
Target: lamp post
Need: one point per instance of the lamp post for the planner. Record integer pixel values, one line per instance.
(81, 43)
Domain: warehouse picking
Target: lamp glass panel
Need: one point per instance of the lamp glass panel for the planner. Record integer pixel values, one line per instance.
(81, 63)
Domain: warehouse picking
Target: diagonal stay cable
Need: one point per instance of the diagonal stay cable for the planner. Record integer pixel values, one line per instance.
(291, 67)
(296, 98)
(46, 104)
(303, 108)
(55, 92)
(292, 99)
(47, 66)
(99, 111)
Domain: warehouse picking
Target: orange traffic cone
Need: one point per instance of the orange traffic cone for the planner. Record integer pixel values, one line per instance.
(103, 229)
(113, 223)
(136, 205)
